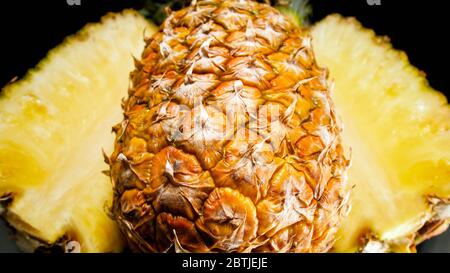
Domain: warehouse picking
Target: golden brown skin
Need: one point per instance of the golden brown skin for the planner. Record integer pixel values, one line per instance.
(229, 140)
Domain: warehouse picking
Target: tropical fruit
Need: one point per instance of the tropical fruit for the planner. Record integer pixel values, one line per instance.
(54, 124)
(229, 141)
(398, 129)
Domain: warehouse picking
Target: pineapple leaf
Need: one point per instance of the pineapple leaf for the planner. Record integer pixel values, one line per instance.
(298, 10)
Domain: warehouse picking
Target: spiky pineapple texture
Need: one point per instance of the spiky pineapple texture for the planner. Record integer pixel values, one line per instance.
(230, 140)
(156, 10)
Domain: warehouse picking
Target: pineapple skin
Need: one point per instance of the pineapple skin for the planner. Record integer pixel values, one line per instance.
(398, 128)
(186, 181)
(54, 124)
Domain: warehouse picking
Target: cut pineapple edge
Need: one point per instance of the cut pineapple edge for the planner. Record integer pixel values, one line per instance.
(397, 128)
(54, 124)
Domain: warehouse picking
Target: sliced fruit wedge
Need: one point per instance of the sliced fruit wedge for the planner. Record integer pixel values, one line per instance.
(54, 124)
(398, 129)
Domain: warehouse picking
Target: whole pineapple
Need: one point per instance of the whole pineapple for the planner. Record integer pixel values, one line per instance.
(229, 140)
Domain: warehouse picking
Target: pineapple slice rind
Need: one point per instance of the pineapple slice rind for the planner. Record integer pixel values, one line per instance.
(31, 163)
(398, 129)
(54, 124)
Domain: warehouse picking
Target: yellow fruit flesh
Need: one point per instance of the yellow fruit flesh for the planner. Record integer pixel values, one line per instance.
(397, 127)
(54, 124)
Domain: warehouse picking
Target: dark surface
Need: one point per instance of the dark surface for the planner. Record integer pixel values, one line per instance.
(7, 244)
(30, 28)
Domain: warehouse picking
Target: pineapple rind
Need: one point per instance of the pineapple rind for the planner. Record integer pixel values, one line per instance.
(54, 124)
(188, 183)
(398, 129)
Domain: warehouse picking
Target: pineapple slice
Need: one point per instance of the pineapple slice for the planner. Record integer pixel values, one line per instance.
(53, 126)
(398, 130)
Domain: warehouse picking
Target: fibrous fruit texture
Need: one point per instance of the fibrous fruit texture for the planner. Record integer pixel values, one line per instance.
(399, 132)
(55, 121)
(229, 140)
(54, 124)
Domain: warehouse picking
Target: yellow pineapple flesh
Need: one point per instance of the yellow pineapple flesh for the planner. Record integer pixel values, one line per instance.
(50, 142)
(397, 127)
(54, 124)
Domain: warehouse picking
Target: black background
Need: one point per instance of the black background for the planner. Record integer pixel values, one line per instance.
(172, 262)
(420, 28)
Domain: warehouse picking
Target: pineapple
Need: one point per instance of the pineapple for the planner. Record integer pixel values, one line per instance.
(54, 124)
(398, 129)
(50, 165)
(229, 141)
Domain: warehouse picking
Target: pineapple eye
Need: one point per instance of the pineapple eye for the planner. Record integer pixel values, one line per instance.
(272, 183)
